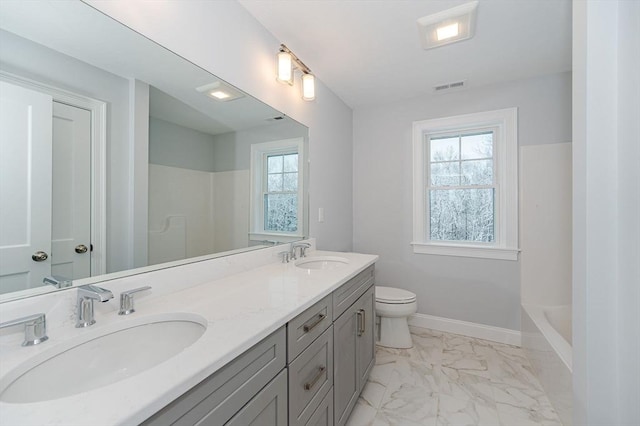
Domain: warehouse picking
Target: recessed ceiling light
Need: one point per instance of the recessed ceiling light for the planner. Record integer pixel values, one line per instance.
(447, 31)
(220, 91)
(219, 94)
(448, 26)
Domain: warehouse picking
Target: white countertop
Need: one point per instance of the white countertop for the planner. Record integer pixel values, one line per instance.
(240, 310)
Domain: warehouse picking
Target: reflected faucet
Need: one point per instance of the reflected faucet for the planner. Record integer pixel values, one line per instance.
(57, 281)
(86, 295)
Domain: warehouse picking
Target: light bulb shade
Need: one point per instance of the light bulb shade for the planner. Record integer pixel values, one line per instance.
(285, 68)
(308, 87)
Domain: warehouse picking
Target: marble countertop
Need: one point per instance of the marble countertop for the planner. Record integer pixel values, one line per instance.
(240, 311)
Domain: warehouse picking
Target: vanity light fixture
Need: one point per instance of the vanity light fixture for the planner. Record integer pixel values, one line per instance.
(448, 26)
(287, 63)
(220, 91)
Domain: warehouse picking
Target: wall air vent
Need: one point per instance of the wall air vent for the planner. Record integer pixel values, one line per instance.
(448, 86)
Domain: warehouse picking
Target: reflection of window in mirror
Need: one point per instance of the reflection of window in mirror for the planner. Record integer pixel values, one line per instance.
(276, 178)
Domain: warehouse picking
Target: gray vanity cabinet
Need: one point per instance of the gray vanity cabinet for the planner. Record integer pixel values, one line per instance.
(353, 354)
(308, 373)
(268, 407)
(252, 386)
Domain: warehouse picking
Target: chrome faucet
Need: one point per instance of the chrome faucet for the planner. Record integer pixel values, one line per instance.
(86, 295)
(290, 255)
(303, 249)
(35, 328)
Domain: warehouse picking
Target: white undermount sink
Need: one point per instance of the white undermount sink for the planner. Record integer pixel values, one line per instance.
(322, 262)
(99, 359)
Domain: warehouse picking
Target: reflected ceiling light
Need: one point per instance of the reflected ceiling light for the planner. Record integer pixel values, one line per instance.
(448, 26)
(287, 62)
(220, 91)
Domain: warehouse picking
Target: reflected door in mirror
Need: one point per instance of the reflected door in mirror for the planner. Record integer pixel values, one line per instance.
(25, 187)
(71, 202)
(45, 189)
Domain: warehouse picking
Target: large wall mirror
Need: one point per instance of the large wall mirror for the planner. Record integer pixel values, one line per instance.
(117, 156)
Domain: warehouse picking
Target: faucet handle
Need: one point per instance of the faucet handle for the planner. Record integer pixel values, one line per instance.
(285, 256)
(35, 328)
(126, 300)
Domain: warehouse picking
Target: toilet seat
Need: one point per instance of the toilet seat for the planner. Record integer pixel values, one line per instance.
(394, 296)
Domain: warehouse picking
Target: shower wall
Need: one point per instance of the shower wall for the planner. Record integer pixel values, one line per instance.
(545, 224)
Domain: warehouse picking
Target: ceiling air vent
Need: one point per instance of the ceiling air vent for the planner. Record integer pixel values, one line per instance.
(448, 86)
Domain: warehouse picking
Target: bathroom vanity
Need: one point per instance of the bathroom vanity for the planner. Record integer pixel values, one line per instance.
(285, 343)
(309, 372)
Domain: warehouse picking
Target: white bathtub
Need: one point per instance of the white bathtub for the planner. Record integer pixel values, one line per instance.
(546, 340)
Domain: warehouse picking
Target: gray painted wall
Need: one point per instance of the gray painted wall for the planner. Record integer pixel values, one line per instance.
(178, 146)
(476, 290)
(233, 150)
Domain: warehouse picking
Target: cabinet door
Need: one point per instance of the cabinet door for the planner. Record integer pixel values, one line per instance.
(323, 416)
(366, 344)
(267, 408)
(345, 360)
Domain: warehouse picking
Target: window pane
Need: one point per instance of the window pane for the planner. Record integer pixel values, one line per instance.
(290, 182)
(445, 174)
(462, 215)
(274, 164)
(280, 212)
(477, 172)
(274, 183)
(291, 163)
(477, 146)
(444, 149)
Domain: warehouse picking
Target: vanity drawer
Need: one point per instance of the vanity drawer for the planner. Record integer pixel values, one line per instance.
(310, 378)
(307, 326)
(350, 291)
(225, 392)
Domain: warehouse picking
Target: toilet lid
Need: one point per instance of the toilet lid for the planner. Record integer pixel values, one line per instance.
(394, 295)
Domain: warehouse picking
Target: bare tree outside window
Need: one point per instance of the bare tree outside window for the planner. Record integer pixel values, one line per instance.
(461, 188)
(281, 196)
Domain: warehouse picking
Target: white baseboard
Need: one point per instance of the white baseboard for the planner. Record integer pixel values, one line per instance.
(480, 331)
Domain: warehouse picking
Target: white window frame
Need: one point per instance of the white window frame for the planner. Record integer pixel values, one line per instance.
(504, 123)
(259, 153)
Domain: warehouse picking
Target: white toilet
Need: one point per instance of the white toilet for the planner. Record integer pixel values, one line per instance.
(393, 306)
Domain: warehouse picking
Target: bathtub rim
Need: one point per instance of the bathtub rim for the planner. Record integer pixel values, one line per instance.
(561, 347)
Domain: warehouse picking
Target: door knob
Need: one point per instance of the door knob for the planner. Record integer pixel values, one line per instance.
(39, 256)
(81, 249)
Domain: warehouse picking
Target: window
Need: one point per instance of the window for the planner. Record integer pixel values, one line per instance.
(276, 182)
(280, 192)
(465, 185)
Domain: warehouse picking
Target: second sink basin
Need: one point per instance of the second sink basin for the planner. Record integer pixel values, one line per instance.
(100, 359)
(322, 262)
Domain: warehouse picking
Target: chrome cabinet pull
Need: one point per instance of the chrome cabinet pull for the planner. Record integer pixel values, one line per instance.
(39, 256)
(361, 325)
(310, 384)
(81, 249)
(307, 327)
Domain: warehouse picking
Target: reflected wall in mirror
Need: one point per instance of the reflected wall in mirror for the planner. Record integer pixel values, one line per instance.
(138, 162)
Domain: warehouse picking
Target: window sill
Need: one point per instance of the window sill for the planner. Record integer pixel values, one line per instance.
(281, 238)
(499, 253)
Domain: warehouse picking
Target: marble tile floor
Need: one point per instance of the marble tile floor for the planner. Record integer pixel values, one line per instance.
(448, 379)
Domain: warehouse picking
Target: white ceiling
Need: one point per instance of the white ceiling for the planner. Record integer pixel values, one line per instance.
(368, 52)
